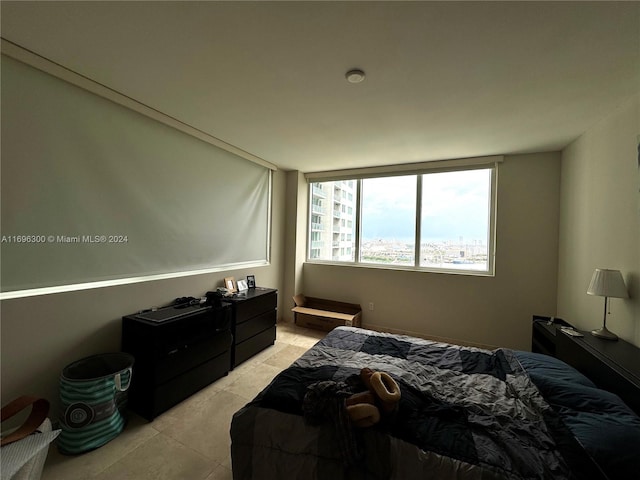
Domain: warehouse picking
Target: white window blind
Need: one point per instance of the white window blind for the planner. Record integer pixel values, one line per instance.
(94, 191)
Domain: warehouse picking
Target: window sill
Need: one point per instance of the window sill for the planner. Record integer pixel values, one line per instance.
(405, 268)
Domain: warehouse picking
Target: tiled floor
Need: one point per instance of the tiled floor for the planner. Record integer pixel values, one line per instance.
(190, 441)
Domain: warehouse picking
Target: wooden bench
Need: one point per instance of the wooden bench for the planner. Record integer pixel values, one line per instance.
(325, 314)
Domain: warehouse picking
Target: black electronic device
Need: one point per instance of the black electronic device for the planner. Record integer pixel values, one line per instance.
(170, 313)
(214, 299)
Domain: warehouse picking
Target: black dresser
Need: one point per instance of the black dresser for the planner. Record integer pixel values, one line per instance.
(177, 352)
(253, 322)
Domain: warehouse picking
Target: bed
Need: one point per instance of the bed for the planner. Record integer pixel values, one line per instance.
(464, 413)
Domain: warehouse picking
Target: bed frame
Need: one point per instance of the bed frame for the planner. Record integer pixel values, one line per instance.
(611, 365)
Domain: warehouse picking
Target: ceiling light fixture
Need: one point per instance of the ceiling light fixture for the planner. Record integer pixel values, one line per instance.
(355, 76)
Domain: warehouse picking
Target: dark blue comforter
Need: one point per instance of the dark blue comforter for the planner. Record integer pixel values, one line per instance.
(607, 429)
(476, 406)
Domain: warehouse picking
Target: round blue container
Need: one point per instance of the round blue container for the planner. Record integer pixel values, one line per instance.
(93, 392)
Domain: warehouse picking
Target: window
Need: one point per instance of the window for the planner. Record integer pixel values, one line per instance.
(388, 220)
(335, 225)
(436, 220)
(455, 220)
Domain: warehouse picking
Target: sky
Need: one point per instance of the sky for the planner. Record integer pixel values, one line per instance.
(455, 204)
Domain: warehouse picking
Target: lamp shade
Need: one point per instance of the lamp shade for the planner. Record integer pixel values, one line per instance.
(607, 283)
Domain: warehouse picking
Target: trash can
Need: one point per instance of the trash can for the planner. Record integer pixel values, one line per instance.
(93, 392)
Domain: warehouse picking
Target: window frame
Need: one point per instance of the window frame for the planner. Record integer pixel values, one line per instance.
(358, 175)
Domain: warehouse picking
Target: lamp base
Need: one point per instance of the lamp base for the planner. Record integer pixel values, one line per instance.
(604, 333)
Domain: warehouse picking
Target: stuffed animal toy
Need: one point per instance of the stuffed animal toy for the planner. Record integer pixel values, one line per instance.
(383, 394)
(384, 388)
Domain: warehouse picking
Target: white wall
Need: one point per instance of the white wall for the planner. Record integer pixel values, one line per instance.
(481, 310)
(600, 221)
(43, 334)
(296, 237)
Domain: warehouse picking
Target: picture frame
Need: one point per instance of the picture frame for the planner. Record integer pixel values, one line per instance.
(230, 284)
(242, 285)
(251, 281)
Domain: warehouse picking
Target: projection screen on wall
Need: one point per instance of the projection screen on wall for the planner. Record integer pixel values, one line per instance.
(93, 191)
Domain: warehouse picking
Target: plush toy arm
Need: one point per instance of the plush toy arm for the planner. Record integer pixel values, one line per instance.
(363, 414)
(385, 387)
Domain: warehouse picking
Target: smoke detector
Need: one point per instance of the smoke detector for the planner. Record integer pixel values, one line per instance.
(355, 76)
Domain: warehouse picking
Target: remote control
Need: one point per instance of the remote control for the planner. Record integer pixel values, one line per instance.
(572, 332)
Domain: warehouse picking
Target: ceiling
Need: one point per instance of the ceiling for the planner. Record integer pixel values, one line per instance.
(443, 79)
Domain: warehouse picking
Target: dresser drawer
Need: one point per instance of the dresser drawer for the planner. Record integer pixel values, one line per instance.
(177, 389)
(186, 356)
(255, 325)
(255, 306)
(253, 345)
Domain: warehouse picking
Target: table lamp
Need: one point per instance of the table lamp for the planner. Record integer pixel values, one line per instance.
(606, 283)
